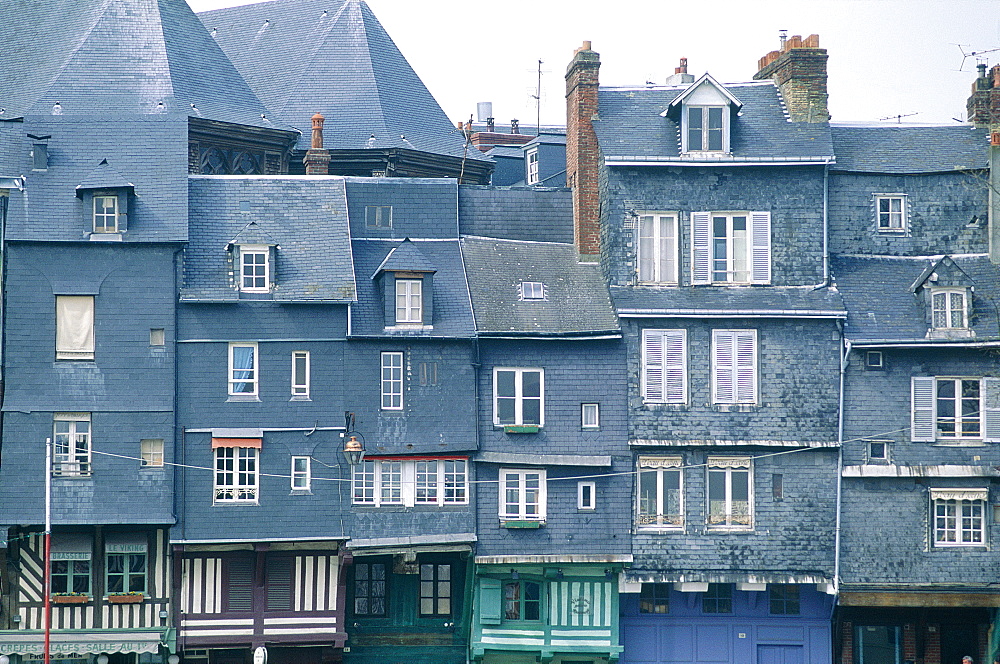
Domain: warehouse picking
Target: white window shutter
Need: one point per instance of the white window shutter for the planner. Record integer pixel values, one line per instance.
(991, 410)
(675, 366)
(922, 413)
(760, 266)
(652, 365)
(701, 244)
(724, 356)
(746, 367)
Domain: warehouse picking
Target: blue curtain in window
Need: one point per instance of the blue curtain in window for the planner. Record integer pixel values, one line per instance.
(243, 368)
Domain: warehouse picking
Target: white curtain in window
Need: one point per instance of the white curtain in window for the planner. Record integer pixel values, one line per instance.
(75, 327)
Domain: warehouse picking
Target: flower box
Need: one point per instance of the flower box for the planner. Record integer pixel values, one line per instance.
(71, 599)
(126, 598)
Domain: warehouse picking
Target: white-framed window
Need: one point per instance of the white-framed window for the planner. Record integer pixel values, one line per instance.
(378, 482)
(74, 327)
(71, 446)
(532, 161)
(255, 268)
(517, 396)
(734, 366)
(301, 473)
(590, 416)
(731, 247)
(948, 309)
(522, 495)
(959, 517)
(300, 374)
(532, 290)
(151, 452)
(664, 366)
(890, 213)
(236, 474)
(392, 380)
(658, 254)
(706, 128)
(730, 492)
(586, 495)
(157, 336)
(243, 374)
(409, 301)
(660, 493)
(955, 408)
(105, 213)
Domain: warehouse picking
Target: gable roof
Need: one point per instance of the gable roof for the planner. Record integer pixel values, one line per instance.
(306, 218)
(881, 308)
(705, 79)
(904, 149)
(112, 58)
(576, 298)
(103, 177)
(333, 57)
(405, 258)
(631, 129)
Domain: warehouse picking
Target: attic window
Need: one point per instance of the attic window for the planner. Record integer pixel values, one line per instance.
(706, 129)
(890, 213)
(378, 216)
(532, 290)
(948, 309)
(255, 268)
(105, 213)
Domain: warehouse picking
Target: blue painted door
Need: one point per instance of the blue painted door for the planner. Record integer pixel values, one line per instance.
(780, 655)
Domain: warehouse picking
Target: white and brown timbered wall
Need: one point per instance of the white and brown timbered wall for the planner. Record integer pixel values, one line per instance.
(259, 595)
(95, 570)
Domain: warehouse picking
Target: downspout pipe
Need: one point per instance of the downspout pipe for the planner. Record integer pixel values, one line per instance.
(826, 227)
(845, 351)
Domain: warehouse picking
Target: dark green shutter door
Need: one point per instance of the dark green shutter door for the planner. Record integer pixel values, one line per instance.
(489, 601)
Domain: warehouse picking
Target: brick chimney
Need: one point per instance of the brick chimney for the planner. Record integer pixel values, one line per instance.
(799, 69)
(983, 107)
(581, 150)
(317, 159)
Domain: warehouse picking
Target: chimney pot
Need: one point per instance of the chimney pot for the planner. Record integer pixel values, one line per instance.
(317, 131)
(586, 46)
(996, 76)
(982, 69)
(683, 69)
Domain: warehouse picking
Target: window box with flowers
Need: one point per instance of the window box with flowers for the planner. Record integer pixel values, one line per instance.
(126, 598)
(70, 598)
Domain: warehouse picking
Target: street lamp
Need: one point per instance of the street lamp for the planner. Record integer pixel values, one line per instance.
(354, 451)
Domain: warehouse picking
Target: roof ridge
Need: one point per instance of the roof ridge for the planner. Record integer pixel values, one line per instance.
(380, 89)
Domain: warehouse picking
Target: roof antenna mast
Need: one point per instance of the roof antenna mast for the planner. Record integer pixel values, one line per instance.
(538, 101)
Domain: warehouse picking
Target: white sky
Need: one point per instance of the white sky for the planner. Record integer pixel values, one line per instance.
(887, 57)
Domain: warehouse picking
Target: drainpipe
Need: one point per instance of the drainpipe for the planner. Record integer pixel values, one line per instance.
(845, 351)
(826, 227)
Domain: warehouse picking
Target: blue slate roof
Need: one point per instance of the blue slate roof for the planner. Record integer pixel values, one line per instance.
(575, 300)
(516, 214)
(406, 258)
(307, 218)
(333, 57)
(104, 177)
(882, 306)
(452, 311)
(421, 207)
(117, 58)
(909, 148)
(630, 127)
(792, 301)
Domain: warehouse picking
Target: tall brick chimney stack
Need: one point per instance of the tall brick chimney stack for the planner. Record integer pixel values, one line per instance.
(983, 107)
(317, 159)
(581, 150)
(799, 69)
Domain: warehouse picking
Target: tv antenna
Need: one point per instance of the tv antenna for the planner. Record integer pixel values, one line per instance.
(899, 118)
(538, 100)
(973, 54)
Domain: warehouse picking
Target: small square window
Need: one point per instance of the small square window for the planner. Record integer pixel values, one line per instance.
(151, 451)
(784, 599)
(378, 216)
(878, 451)
(157, 336)
(654, 598)
(532, 290)
(718, 598)
(590, 415)
(890, 213)
(874, 360)
(586, 498)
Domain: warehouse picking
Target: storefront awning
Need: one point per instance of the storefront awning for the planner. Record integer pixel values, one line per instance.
(81, 642)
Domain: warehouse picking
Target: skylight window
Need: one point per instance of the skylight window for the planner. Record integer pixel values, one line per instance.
(532, 290)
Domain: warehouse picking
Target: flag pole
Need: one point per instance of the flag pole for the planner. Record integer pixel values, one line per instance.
(47, 570)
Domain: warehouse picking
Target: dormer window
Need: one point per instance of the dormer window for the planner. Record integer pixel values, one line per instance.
(890, 213)
(948, 309)
(532, 290)
(409, 301)
(255, 268)
(706, 129)
(105, 213)
(105, 195)
(532, 160)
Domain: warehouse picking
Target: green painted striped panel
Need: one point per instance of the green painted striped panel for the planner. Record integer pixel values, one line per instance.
(580, 604)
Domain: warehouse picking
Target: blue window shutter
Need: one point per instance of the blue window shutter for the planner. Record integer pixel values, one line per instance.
(701, 245)
(991, 410)
(922, 414)
(490, 601)
(760, 257)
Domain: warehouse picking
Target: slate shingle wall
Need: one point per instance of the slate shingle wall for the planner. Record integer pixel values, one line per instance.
(797, 363)
(421, 207)
(793, 195)
(940, 206)
(794, 535)
(516, 214)
(575, 372)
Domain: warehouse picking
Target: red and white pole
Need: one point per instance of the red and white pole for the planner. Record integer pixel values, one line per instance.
(47, 571)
